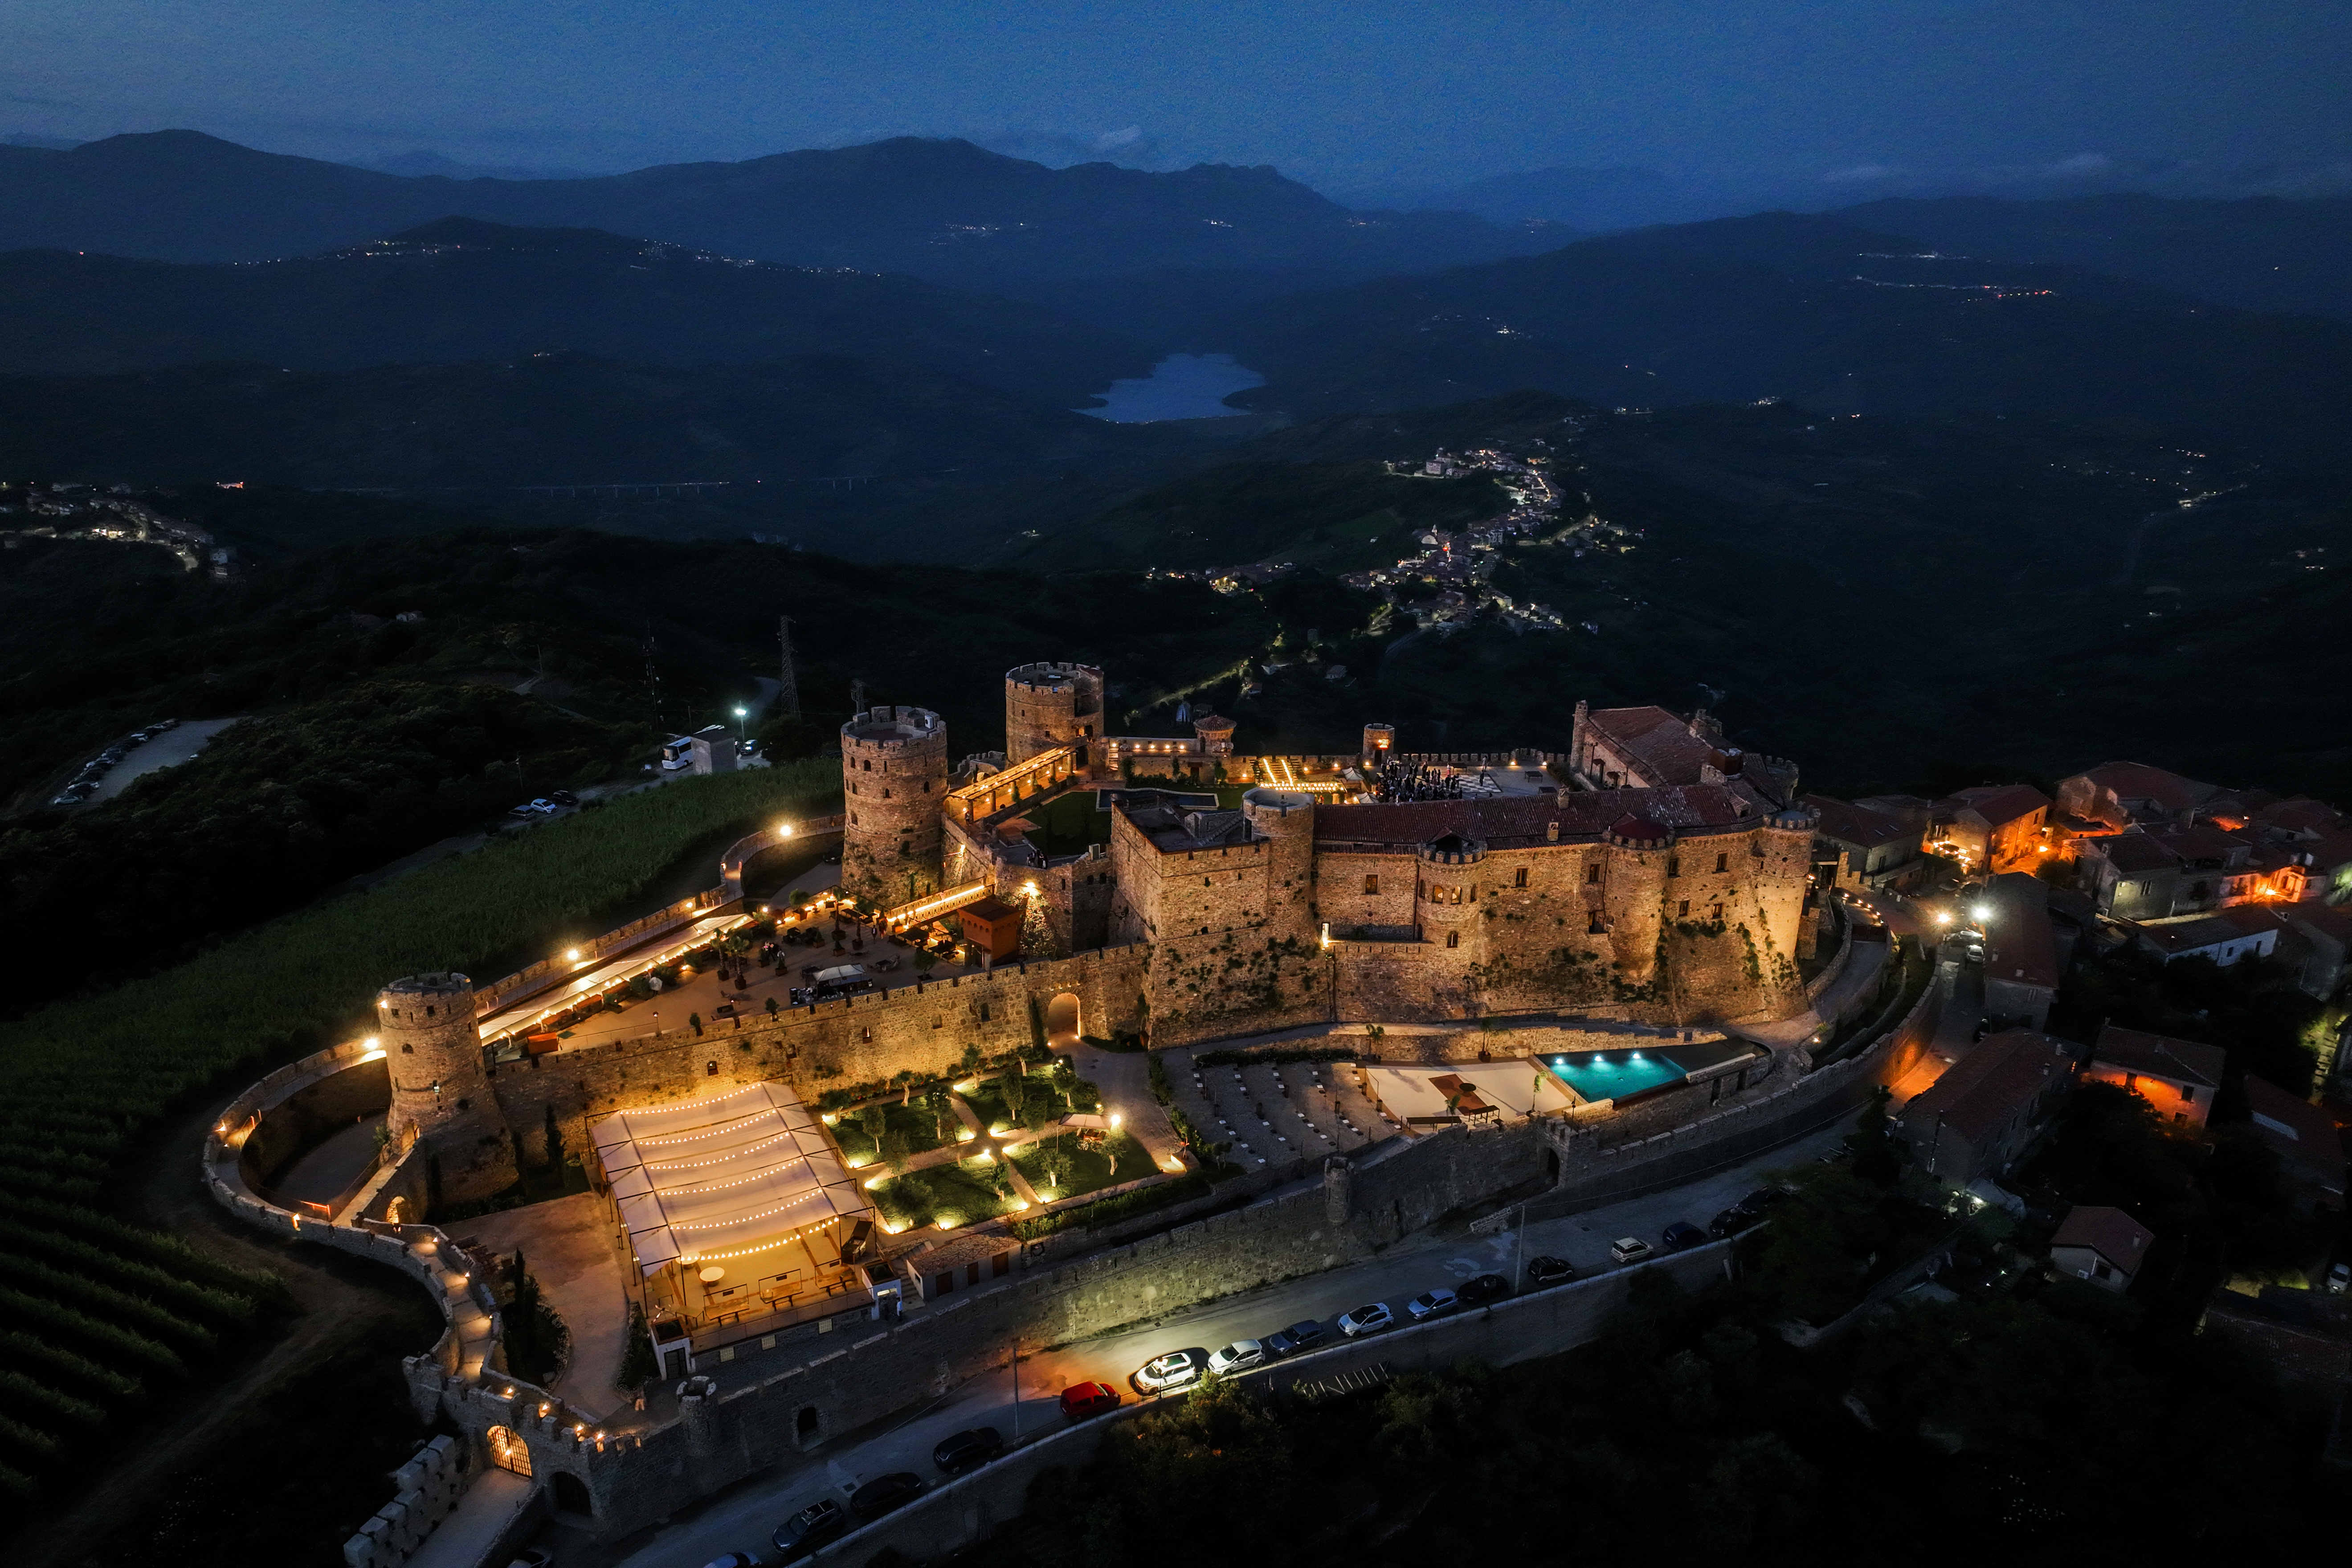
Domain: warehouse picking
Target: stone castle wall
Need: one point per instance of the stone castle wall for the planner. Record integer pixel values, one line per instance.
(894, 782)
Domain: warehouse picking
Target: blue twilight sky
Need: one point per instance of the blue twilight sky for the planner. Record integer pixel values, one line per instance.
(1361, 91)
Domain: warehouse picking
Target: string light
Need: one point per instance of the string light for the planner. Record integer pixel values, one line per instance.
(724, 1186)
(791, 1202)
(721, 1159)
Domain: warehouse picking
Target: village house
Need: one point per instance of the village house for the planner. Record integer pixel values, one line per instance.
(2178, 1078)
(2309, 1145)
(1985, 1111)
(1992, 828)
(2103, 1246)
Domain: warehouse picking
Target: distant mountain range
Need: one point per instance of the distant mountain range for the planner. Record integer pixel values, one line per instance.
(1814, 310)
(945, 210)
(460, 289)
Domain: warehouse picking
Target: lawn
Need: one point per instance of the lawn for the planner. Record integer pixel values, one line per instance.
(1043, 1100)
(959, 1193)
(1089, 1169)
(913, 1124)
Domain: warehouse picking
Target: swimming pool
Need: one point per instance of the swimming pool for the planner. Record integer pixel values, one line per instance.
(1623, 1074)
(1615, 1075)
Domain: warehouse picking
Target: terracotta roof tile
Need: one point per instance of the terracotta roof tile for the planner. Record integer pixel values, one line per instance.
(2109, 1232)
(2160, 1055)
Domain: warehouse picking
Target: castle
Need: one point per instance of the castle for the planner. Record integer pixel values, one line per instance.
(1173, 889)
(1655, 872)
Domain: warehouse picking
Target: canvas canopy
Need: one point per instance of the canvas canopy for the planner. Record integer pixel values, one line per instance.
(723, 1178)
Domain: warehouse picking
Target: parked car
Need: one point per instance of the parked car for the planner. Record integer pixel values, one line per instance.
(1550, 1270)
(1173, 1369)
(811, 1528)
(1485, 1289)
(1369, 1320)
(1237, 1357)
(2339, 1278)
(1433, 1304)
(562, 797)
(1762, 1198)
(1630, 1249)
(1299, 1336)
(1731, 1222)
(883, 1493)
(1682, 1235)
(732, 1560)
(1081, 1400)
(965, 1449)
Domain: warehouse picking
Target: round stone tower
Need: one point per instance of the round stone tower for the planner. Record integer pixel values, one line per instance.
(1379, 739)
(440, 1093)
(1050, 705)
(894, 781)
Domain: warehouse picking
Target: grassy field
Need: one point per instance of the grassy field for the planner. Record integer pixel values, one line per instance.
(100, 1312)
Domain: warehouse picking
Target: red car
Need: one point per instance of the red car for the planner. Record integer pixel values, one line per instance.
(1081, 1400)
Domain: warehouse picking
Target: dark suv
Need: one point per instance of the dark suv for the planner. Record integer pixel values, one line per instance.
(883, 1493)
(810, 1529)
(965, 1449)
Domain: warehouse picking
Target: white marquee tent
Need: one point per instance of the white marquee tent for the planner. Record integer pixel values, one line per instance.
(727, 1177)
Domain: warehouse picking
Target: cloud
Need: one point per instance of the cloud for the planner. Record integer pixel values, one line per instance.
(1865, 175)
(2081, 166)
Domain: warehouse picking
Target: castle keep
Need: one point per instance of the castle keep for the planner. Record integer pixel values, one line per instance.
(1656, 872)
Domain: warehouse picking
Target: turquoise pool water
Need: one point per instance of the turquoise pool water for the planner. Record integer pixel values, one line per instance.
(1615, 1075)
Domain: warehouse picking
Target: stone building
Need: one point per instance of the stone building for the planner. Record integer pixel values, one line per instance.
(894, 783)
(441, 1094)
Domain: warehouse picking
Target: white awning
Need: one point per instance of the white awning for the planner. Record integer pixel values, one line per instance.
(727, 1178)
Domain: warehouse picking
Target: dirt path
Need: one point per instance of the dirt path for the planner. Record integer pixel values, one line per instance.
(343, 1306)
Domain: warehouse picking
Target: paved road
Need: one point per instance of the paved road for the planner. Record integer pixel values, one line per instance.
(743, 1520)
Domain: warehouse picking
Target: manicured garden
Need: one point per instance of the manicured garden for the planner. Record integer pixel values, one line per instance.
(957, 1193)
(1063, 1166)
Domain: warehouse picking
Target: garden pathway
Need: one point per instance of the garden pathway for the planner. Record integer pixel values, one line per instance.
(1125, 1080)
(970, 1119)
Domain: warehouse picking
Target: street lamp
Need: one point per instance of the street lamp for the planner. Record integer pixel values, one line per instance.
(741, 715)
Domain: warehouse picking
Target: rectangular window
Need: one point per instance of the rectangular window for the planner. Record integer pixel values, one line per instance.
(1454, 939)
(1520, 878)
(1592, 872)
(1372, 882)
(1715, 914)
(1723, 862)
(1674, 864)
(1683, 912)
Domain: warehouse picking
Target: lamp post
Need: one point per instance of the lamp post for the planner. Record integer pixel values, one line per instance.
(743, 734)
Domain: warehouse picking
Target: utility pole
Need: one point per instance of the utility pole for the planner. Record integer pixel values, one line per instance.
(788, 699)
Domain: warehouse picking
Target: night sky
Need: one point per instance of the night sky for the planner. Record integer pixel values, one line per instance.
(1362, 90)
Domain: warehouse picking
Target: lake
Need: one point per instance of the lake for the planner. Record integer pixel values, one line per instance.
(1181, 386)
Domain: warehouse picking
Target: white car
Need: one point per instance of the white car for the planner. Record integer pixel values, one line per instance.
(1431, 1304)
(1237, 1356)
(1364, 1320)
(1173, 1369)
(1630, 1249)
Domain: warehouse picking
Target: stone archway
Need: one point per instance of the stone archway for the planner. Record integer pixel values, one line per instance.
(1062, 1022)
(571, 1495)
(508, 1451)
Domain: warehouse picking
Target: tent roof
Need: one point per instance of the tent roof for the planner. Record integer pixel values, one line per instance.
(724, 1176)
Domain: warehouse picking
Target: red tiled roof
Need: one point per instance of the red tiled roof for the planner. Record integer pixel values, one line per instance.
(2019, 944)
(2199, 840)
(2138, 781)
(1518, 820)
(2296, 1128)
(2134, 853)
(1858, 826)
(2324, 919)
(1995, 805)
(1661, 743)
(1984, 1089)
(2111, 1232)
(2160, 1055)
